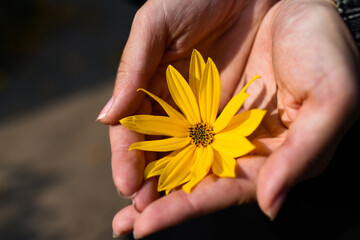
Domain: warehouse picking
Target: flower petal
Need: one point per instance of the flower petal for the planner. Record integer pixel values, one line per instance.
(197, 66)
(155, 125)
(173, 114)
(201, 167)
(163, 145)
(246, 122)
(177, 169)
(185, 180)
(155, 168)
(248, 84)
(203, 162)
(232, 144)
(182, 95)
(223, 165)
(229, 111)
(210, 90)
(198, 156)
(232, 107)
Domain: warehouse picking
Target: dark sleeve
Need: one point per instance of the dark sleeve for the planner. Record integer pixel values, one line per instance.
(350, 12)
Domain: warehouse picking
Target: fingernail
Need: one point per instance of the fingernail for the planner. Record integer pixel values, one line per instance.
(116, 235)
(134, 205)
(135, 236)
(119, 193)
(126, 197)
(275, 208)
(270, 215)
(103, 112)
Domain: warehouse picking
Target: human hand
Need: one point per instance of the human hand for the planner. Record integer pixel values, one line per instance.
(161, 36)
(309, 88)
(166, 32)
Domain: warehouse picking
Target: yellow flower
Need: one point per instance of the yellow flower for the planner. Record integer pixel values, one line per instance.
(199, 141)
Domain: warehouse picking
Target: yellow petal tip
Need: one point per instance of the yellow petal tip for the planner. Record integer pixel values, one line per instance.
(170, 67)
(187, 190)
(132, 147)
(196, 51)
(141, 90)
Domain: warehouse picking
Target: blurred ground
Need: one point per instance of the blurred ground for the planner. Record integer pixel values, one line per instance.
(55, 176)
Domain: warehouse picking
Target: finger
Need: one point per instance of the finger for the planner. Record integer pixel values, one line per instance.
(123, 221)
(142, 54)
(127, 166)
(210, 195)
(146, 194)
(305, 153)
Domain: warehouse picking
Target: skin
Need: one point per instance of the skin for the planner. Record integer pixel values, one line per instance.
(309, 86)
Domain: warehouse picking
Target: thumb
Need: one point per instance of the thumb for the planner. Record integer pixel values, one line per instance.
(305, 153)
(141, 56)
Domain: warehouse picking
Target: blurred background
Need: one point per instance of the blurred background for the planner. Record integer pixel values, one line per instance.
(58, 61)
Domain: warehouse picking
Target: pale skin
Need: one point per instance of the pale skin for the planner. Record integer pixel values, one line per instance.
(309, 86)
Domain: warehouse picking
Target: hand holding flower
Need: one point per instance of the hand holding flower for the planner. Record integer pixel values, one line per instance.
(309, 68)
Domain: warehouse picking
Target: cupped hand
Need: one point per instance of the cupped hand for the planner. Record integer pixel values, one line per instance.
(165, 32)
(309, 67)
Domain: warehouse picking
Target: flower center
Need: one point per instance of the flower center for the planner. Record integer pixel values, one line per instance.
(201, 134)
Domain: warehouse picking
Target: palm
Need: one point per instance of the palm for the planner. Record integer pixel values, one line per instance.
(289, 90)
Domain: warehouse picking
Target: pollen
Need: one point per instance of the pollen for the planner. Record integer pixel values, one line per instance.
(201, 134)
